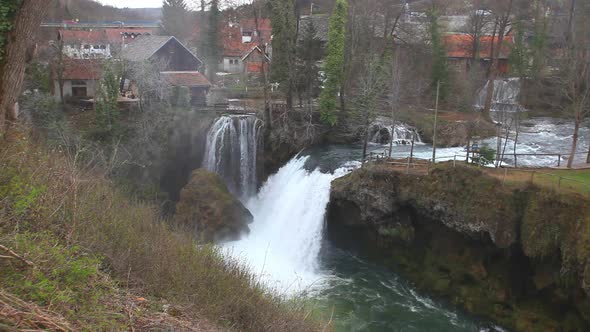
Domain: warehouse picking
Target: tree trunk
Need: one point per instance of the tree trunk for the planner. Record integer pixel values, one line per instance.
(570, 161)
(588, 156)
(26, 22)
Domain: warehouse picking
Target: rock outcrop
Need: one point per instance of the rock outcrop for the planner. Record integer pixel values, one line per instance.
(207, 207)
(517, 255)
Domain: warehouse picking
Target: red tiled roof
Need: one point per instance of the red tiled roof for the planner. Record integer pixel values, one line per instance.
(83, 36)
(232, 36)
(82, 69)
(461, 46)
(192, 79)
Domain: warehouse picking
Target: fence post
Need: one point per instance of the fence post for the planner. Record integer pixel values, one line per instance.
(559, 160)
(455, 161)
(408, 166)
(505, 173)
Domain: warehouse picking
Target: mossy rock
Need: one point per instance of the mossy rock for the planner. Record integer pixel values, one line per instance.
(207, 207)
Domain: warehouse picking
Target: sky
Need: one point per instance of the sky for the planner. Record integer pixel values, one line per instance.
(133, 3)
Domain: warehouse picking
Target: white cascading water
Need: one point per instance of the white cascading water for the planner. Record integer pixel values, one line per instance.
(286, 235)
(402, 133)
(506, 95)
(232, 151)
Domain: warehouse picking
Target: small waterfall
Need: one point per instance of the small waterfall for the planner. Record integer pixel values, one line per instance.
(232, 151)
(286, 235)
(380, 132)
(506, 95)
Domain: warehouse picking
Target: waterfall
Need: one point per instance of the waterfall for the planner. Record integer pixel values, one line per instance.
(232, 151)
(380, 132)
(286, 235)
(506, 95)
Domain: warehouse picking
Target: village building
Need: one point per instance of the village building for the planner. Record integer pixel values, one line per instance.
(180, 66)
(243, 45)
(97, 44)
(80, 78)
(460, 52)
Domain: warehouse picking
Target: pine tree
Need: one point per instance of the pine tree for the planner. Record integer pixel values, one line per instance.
(334, 62)
(283, 45)
(212, 40)
(175, 16)
(440, 70)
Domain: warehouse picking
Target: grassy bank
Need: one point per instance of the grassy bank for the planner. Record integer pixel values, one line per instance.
(90, 247)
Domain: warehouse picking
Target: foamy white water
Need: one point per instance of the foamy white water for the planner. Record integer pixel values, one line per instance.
(286, 235)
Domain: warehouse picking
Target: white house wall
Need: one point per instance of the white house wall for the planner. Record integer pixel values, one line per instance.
(90, 88)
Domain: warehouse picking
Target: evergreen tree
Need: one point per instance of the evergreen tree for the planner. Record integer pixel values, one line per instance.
(440, 70)
(283, 45)
(307, 56)
(175, 17)
(107, 112)
(212, 40)
(519, 57)
(334, 62)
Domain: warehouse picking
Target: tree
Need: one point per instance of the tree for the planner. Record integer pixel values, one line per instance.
(502, 12)
(366, 103)
(440, 70)
(572, 78)
(284, 30)
(19, 20)
(334, 62)
(212, 45)
(59, 66)
(107, 112)
(306, 67)
(175, 16)
(146, 77)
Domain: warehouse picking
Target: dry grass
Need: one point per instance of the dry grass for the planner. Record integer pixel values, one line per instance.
(51, 191)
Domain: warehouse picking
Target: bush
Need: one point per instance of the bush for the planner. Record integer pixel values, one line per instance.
(485, 156)
(68, 208)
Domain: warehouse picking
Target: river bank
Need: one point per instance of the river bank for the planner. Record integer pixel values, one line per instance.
(516, 256)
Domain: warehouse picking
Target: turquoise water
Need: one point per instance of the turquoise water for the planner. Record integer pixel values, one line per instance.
(366, 297)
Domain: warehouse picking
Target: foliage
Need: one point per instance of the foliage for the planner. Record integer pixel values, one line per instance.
(38, 77)
(212, 48)
(175, 16)
(519, 57)
(80, 209)
(485, 156)
(106, 107)
(181, 96)
(8, 9)
(440, 70)
(65, 278)
(283, 42)
(307, 77)
(334, 62)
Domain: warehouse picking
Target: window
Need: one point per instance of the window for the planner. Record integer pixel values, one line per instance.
(96, 47)
(103, 47)
(86, 47)
(79, 88)
(246, 36)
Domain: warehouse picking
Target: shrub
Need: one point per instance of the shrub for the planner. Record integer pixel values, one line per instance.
(76, 209)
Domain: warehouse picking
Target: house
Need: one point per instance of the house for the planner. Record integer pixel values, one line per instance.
(240, 40)
(93, 44)
(180, 65)
(460, 51)
(167, 49)
(196, 82)
(255, 61)
(80, 78)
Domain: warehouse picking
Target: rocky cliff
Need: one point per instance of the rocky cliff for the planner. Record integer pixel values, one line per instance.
(516, 255)
(207, 207)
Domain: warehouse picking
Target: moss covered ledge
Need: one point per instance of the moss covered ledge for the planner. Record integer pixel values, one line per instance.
(517, 255)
